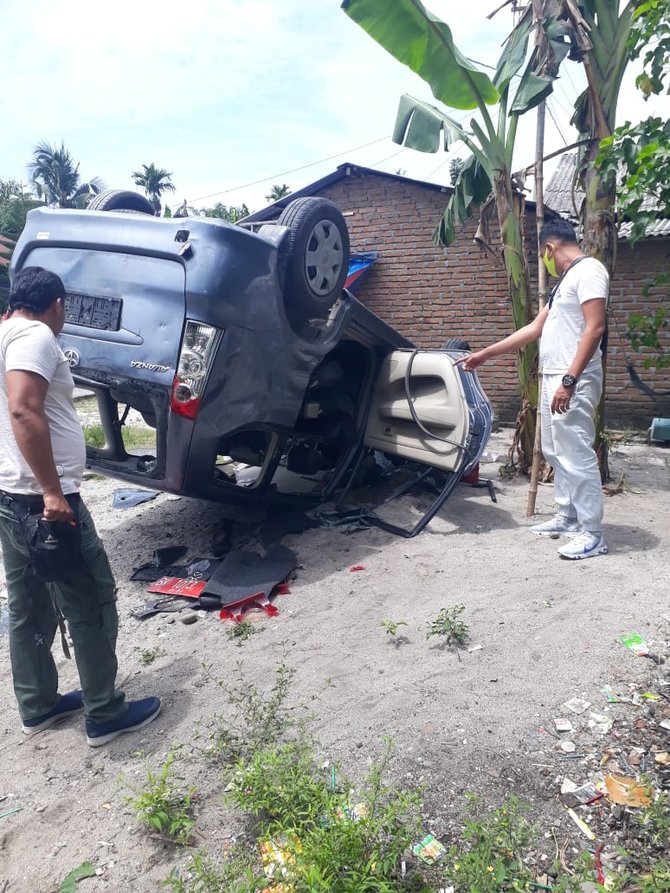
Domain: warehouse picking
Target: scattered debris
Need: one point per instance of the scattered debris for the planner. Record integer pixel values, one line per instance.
(184, 587)
(188, 618)
(562, 724)
(357, 567)
(70, 881)
(635, 643)
(165, 605)
(577, 705)
(627, 791)
(429, 850)
(583, 827)
(10, 811)
(129, 497)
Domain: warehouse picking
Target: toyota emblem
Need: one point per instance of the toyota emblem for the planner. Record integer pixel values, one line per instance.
(72, 357)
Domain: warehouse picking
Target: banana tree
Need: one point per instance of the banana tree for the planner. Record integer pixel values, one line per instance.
(416, 37)
(600, 32)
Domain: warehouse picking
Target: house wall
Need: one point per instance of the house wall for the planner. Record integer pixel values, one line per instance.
(430, 297)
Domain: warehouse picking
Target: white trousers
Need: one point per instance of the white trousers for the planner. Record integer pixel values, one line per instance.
(567, 444)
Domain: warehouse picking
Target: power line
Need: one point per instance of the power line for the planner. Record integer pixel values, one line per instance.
(556, 124)
(293, 170)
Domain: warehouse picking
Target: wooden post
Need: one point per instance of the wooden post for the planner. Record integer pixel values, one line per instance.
(542, 296)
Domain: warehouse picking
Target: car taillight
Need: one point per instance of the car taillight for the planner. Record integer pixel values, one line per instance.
(195, 358)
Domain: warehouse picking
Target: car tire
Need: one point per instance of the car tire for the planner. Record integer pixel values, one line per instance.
(318, 256)
(121, 200)
(456, 344)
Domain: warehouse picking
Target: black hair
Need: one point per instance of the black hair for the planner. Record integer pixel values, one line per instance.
(557, 228)
(35, 289)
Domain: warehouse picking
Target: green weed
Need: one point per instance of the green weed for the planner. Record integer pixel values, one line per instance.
(238, 872)
(447, 625)
(257, 719)
(392, 626)
(240, 632)
(654, 822)
(163, 807)
(149, 655)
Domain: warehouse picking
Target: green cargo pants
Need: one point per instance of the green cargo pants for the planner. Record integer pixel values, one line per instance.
(87, 600)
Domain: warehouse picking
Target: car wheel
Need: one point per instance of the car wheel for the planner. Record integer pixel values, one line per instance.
(318, 258)
(456, 344)
(121, 200)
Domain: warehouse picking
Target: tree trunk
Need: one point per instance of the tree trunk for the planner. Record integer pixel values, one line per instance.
(511, 230)
(599, 236)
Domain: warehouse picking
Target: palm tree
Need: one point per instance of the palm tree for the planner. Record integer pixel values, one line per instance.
(278, 192)
(155, 181)
(56, 178)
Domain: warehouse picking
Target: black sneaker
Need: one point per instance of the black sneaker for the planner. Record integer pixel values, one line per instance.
(66, 705)
(138, 714)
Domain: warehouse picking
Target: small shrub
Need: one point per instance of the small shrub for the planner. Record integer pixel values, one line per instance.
(162, 807)
(447, 625)
(240, 632)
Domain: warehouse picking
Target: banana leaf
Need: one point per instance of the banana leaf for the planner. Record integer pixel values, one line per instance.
(471, 189)
(418, 39)
(421, 126)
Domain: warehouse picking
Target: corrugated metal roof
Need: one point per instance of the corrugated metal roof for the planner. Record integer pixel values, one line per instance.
(562, 197)
(656, 229)
(558, 193)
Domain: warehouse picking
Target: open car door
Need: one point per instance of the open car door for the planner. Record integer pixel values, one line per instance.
(427, 410)
(419, 409)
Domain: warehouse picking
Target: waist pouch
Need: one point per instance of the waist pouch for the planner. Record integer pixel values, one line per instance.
(54, 547)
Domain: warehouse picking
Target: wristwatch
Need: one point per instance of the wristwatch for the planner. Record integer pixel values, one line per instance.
(568, 381)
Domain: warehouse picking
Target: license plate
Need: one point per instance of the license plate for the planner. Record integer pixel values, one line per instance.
(95, 313)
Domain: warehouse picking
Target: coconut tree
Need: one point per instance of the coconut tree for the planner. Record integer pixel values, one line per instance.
(425, 44)
(278, 191)
(154, 181)
(56, 178)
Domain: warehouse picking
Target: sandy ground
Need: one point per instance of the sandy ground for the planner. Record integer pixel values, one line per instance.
(466, 720)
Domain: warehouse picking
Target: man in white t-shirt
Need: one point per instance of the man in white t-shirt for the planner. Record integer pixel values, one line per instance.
(42, 456)
(570, 328)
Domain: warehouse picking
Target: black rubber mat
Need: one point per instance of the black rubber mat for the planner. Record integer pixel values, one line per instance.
(243, 573)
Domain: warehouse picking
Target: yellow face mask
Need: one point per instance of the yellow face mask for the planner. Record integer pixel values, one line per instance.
(550, 263)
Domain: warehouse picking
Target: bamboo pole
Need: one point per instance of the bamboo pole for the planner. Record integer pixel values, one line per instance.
(541, 296)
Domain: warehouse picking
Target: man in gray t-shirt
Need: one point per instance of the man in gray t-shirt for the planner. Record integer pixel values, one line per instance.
(42, 457)
(570, 329)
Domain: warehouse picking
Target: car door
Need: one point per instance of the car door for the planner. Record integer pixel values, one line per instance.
(433, 384)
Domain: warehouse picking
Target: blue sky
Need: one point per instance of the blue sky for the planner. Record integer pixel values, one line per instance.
(226, 93)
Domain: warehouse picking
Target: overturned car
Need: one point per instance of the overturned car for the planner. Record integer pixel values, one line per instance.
(262, 377)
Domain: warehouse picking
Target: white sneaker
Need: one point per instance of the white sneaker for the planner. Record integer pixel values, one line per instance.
(556, 526)
(584, 545)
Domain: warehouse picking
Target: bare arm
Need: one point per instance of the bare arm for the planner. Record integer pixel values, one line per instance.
(26, 392)
(515, 341)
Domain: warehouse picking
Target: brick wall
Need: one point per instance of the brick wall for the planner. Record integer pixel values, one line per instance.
(430, 297)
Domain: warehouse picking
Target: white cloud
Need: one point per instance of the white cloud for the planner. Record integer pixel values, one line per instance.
(221, 92)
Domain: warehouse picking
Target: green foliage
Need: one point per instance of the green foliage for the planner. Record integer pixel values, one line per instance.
(258, 717)
(240, 632)
(55, 176)
(492, 858)
(447, 625)
(424, 43)
(650, 34)
(654, 823)
(238, 872)
(643, 152)
(229, 213)
(392, 626)
(278, 191)
(330, 847)
(149, 655)
(154, 181)
(161, 806)
(70, 881)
